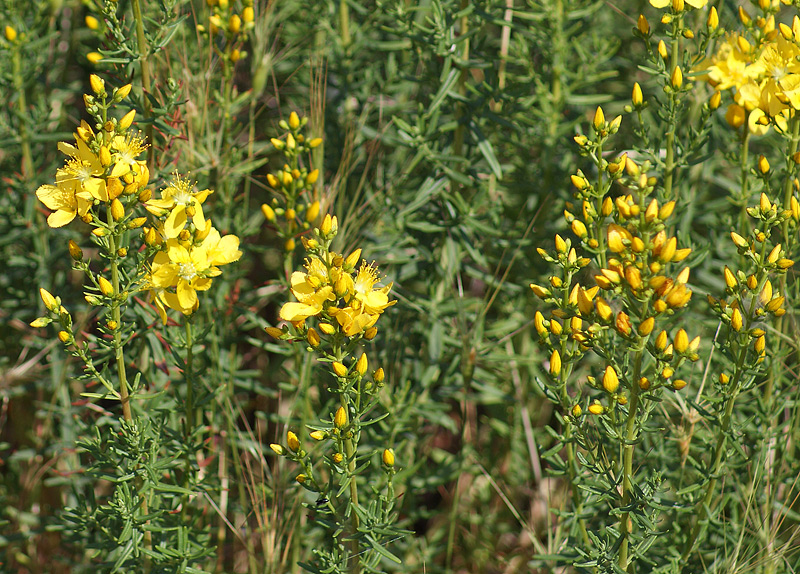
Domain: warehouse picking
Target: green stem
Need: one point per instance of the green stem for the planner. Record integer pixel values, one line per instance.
(461, 88)
(22, 110)
(627, 462)
(189, 378)
(344, 25)
(669, 164)
(744, 221)
(144, 64)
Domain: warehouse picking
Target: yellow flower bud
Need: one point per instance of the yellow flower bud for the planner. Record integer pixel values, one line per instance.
(578, 228)
(599, 119)
(388, 457)
(763, 167)
(774, 255)
(678, 384)
(555, 363)
(677, 78)
(248, 15)
(269, 213)
(292, 441)
(75, 251)
(97, 84)
(713, 19)
(596, 409)
(313, 337)
(339, 369)
(724, 379)
(329, 225)
(636, 96)
(623, 323)
(662, 50)
(736, 320)
(289, 245)
(301, 478)
(760, 344)
(362, 364)
(317, 435)
(94, 57)
(122, 92)
(646, 326)
(234, 24)
(577, 411)
(337, 457)
(644, 383)
(277, 448)
(127, 120)
(11, 33)
(610, 380)
(681, 342)
(643, 25)
(327, 328)
(379, 376)
(117, 210)
(340, 418)
(64, 337)
(274, 332)
(661, 341)
(105, 286)
(294, 120)
(730, 278)
(603, 309)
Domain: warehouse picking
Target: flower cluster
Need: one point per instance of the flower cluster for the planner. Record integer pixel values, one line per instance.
(295, 208)
(762, 72)
(633, 288)
(225, 22)
(344, 299)
(189, 249)
(100, 167)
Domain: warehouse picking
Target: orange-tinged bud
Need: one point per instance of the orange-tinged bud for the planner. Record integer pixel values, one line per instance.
(610, 380)
(340, 418)
(292, 441)
(623, 323)
(301, 478)
(668, 250)
(378, 376)
(75, 251)
(643, 25)
(644, 383)
(64, 337)
(555, 362)
(633, 277)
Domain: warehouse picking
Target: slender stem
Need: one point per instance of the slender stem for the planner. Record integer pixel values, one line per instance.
(627, 461)
(461, 87)
(22, 111)
(144, 64)
(116, 316)
(188, 375)
(344, 25)
(744, 169)
(669, 163)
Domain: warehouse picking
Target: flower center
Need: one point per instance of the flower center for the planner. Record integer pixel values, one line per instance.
(187, 271)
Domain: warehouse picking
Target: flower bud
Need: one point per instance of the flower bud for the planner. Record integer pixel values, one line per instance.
(676, 80)
(313, 337)
(274, 332)
(681, 342)
(340, 418)
(596, 409)
(713, 19)
(643, 25)
(662, 50)
(126, 121)
(64, 337)
(362, 364)
(636, 96)
(339, 369)
(646, 326)
(10, 33)
(610, 380)
(105, 286)
(678, 384)
(278, 449)
(388, 457)
(599, 119)
(292, 441)
(75, 251)
(736, 320)
(555, 363)
(577, 411)
(97, 84)
(117, 210)
(317, 435)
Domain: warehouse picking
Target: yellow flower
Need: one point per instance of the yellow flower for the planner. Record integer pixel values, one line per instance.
(64, 199)
(665, 3)
(181, 202)
(190, 269)
(86, 168)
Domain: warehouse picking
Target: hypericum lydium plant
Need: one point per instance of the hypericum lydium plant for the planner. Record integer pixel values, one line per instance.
(623, 312)
(296, 208)
(104, 183)
(338, 304)
(751, 302)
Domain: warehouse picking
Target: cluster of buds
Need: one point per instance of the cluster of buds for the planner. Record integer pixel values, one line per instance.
(633, 291)
(750, 296)
(230, 26)
(295, 208)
